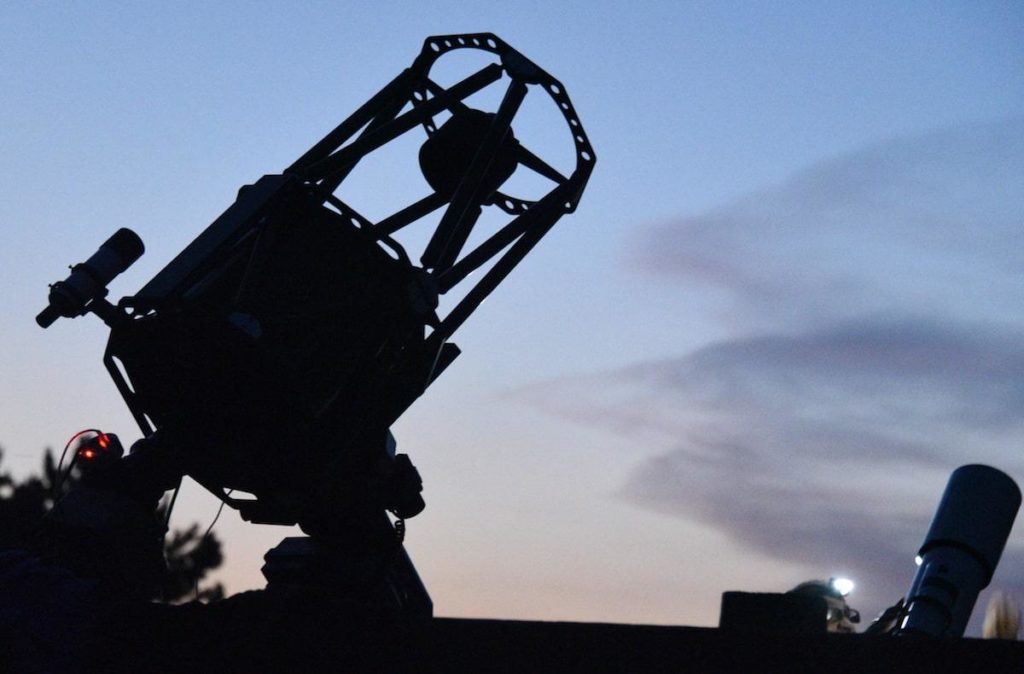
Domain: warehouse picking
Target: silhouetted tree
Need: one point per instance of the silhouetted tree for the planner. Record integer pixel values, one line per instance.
(191, 555)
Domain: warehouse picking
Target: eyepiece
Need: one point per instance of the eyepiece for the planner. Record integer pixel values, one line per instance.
(47, 316)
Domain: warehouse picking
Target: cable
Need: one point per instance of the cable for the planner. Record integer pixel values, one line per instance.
(206, 535)
(60, 478)
(215, 518)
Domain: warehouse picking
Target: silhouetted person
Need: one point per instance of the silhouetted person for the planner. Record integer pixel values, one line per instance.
(840, 617)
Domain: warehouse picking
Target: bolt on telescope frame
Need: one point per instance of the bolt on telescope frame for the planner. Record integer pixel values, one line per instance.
(293, 322)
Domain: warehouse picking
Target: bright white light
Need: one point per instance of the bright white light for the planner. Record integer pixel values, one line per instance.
(843, 586)
(918, 560)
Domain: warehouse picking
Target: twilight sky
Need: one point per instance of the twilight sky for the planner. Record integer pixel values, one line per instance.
(786, 309)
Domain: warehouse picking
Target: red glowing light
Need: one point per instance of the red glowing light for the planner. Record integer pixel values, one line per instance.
(104, 441)
(89, 453)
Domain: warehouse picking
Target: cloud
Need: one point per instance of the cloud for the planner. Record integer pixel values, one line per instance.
(932, 222)
(937, 377)
(877, 344)
(829, 447)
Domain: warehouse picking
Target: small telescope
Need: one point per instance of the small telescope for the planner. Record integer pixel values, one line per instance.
(86, 287)
(961, 551)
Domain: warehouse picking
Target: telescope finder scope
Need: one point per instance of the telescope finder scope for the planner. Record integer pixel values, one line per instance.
(88, 280)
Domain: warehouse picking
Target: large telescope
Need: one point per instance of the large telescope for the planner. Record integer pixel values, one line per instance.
(277, 349)
(961, 551)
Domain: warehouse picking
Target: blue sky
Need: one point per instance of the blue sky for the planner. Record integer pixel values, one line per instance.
(787, 307)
